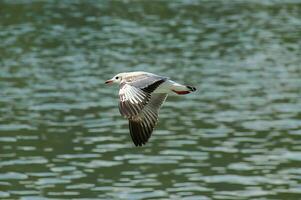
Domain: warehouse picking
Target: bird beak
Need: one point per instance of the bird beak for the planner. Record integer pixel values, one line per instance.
(109, 82)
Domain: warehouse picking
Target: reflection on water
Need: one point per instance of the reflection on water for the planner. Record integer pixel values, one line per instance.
(238, 137)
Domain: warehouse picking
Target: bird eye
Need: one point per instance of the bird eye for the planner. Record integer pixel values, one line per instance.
(116, 77)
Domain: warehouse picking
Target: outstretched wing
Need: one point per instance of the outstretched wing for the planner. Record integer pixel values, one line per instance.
(132, 100)
(135, 93)
(142, 125)
(147, 82)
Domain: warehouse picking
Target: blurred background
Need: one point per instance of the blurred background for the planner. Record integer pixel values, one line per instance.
(237, 137)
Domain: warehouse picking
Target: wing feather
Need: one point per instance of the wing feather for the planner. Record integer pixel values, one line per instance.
(132, 100)
(143, 81)
(135, 95)
(142, 125)
(140, 105)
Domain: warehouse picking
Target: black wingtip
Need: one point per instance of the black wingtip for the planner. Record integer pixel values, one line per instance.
(150, 88)
(139, 133)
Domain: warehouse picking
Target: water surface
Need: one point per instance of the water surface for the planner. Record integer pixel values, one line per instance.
(237, 137)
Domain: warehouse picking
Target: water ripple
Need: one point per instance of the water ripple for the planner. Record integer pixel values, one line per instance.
(236, 137)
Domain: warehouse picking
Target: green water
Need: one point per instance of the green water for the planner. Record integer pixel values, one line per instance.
(237, 137)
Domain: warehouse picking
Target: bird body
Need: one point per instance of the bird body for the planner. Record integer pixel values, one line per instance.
(141, 95)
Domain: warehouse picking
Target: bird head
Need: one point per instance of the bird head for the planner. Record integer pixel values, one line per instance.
(116, 79)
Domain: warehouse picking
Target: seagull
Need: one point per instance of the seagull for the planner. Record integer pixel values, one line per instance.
(141, 95)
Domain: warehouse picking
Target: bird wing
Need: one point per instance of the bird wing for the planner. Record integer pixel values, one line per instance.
(141, 126)
(132, 100)
(146, 82)
(135, 93)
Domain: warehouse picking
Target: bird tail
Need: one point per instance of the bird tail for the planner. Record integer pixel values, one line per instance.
(183, 89)
(191, 88)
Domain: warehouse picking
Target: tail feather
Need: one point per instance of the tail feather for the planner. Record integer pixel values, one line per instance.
(191, 88)
(183, 89)
(181, 92)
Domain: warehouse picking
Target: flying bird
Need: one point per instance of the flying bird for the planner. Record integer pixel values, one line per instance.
(141, 95)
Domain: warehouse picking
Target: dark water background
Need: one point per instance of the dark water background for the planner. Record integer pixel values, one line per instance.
(237, 137)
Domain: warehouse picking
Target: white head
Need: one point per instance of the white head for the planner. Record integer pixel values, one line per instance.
(116, 79)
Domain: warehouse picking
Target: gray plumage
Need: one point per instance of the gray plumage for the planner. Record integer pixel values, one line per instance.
(144, 81)
(140, 105)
